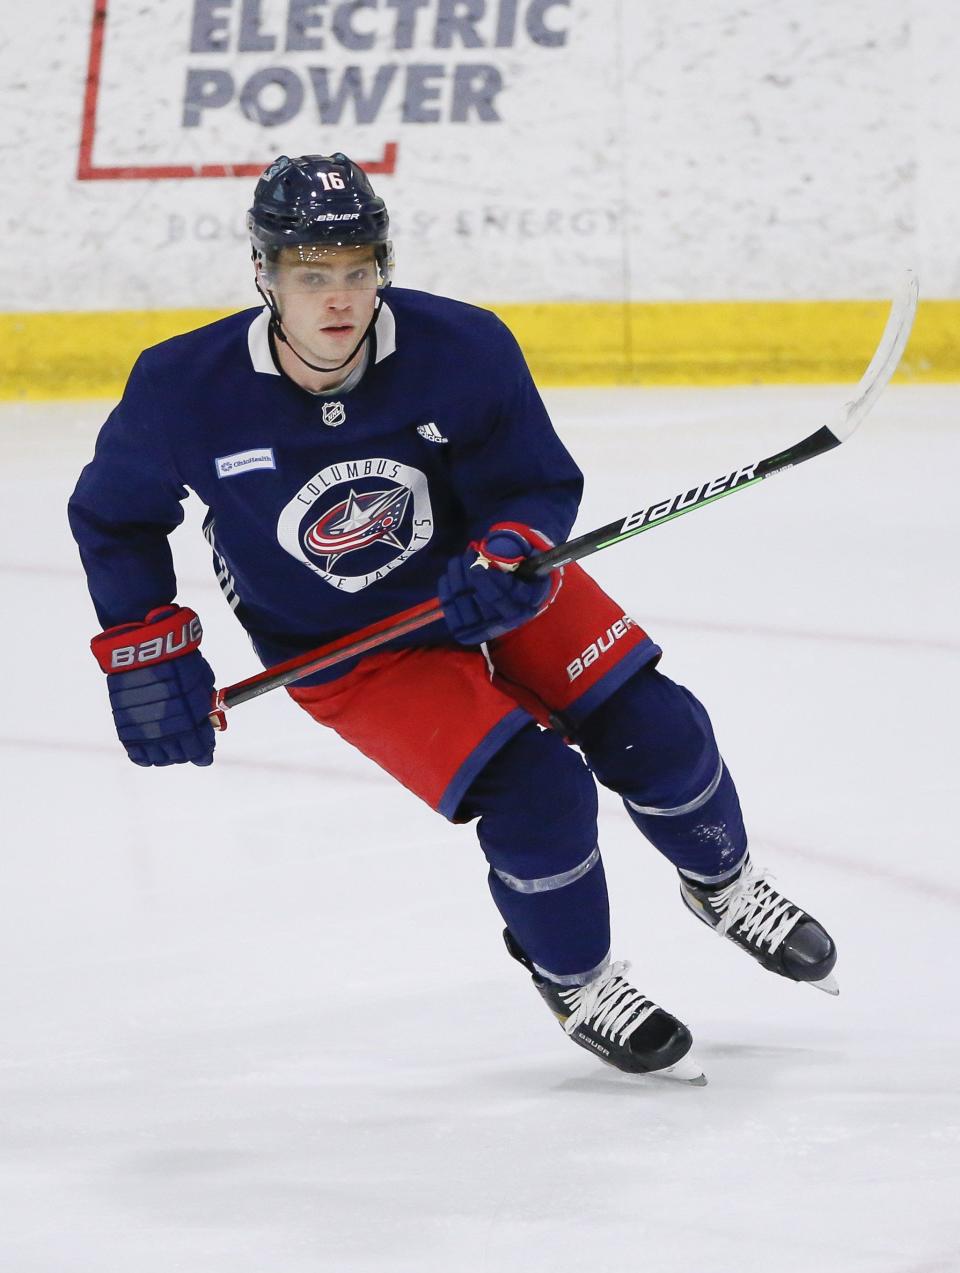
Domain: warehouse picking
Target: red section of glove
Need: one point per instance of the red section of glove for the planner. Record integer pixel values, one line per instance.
(496, 547)
(166, 633)
(507, 544)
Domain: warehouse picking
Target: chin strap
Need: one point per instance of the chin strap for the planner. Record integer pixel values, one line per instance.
(276, 327)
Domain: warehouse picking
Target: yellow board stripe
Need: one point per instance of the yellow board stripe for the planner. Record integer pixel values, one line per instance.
(88, 355)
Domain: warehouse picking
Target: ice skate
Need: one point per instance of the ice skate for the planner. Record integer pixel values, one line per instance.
(618, 1024)
(775, 931)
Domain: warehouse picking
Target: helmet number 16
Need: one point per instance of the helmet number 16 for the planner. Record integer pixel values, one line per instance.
(331, 180)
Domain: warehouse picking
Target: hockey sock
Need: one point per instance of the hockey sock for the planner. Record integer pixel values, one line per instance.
(537, 805)
(652, 743)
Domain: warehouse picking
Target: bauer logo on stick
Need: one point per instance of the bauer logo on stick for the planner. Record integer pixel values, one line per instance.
(687, 499)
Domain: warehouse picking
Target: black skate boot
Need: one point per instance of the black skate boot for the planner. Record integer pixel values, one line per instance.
(614, 1021)
(767, 925)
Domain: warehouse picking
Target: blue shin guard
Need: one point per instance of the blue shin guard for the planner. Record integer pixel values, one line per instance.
(537, 806)
(652, 743)
(703, 837)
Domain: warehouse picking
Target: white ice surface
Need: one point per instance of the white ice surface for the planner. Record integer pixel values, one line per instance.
(257, 1018)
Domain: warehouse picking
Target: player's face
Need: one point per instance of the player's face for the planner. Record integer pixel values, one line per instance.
(326, 296)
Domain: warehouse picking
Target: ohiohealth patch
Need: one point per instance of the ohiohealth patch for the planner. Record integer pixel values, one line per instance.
(356, 521)
(245, 461)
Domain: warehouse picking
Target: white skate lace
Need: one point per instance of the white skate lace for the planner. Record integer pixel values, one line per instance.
(764, 915)
(608, 1004)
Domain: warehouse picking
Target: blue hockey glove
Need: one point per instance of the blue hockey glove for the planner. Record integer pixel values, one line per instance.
(161, 687)
(481, 595)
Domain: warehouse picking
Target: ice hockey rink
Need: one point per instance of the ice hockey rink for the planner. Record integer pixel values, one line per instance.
(258, 1018)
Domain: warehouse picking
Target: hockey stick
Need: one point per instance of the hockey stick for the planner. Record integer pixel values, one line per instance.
(348, 647)
(873, 382)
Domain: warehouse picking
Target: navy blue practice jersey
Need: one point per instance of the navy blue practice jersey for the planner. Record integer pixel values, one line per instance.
(325, 512)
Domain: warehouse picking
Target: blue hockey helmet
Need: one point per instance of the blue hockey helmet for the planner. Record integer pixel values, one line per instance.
(316, 202)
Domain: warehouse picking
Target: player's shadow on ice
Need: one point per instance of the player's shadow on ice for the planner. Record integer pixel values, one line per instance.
(729, 1064)
(766, 1052)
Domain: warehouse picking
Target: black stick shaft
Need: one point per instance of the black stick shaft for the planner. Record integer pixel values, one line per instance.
(683, 502)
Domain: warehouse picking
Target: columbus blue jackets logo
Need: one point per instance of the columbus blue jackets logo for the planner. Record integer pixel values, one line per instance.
(359, 521)
(355, 522)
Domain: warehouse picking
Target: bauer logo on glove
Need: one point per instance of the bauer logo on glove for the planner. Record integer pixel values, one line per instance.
(162, 635)
(160, 686)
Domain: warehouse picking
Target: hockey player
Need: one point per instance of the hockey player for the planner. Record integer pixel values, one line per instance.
(361, 448)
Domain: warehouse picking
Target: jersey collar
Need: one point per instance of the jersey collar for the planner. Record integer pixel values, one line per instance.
(258, 339)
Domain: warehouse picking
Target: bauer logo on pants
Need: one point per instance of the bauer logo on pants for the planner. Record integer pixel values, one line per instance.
(355, 522)
(596, 649)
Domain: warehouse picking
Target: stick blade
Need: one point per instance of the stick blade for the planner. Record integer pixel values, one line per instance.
(903, 310)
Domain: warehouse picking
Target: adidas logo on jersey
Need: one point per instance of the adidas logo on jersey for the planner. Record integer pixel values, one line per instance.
(431, 432)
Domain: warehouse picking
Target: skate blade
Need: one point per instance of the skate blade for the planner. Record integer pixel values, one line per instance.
(828, 984)
(686, 1070)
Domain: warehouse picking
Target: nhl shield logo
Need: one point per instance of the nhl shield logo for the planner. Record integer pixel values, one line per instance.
(356, 521)
(334, 414)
